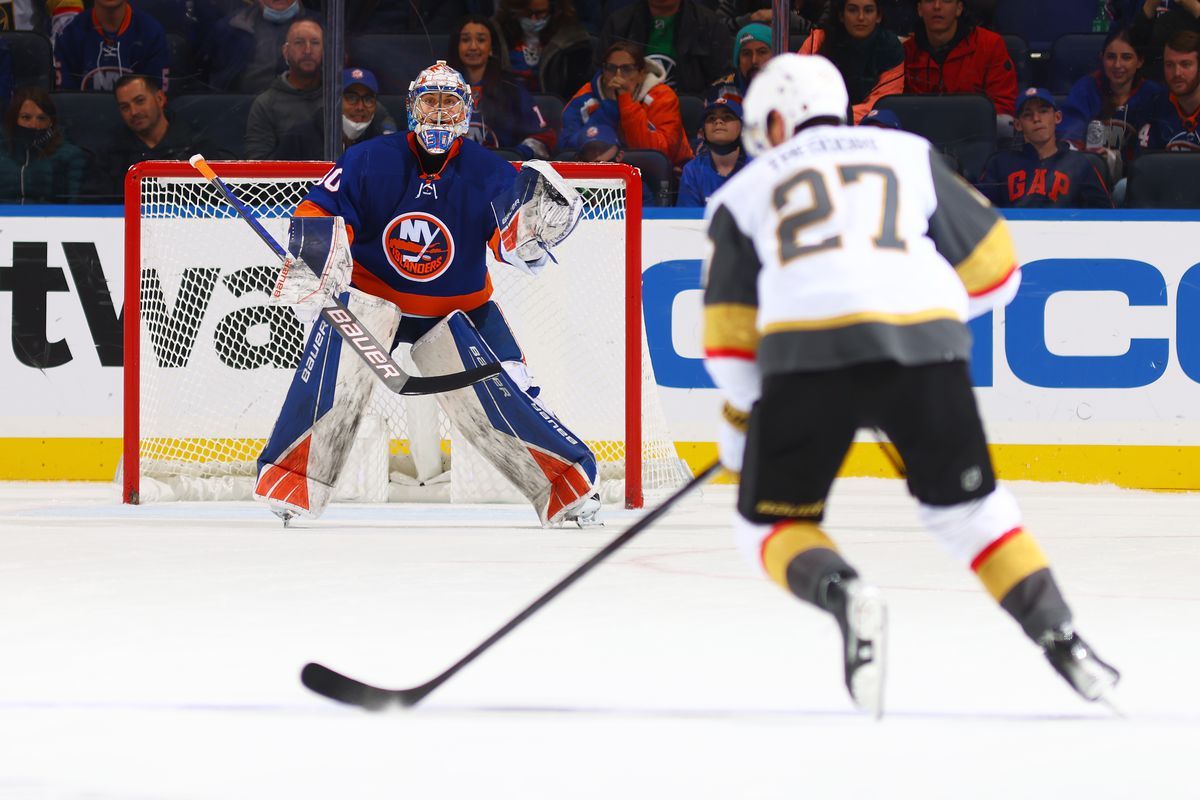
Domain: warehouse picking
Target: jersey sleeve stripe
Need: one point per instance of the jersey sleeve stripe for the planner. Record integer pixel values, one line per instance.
(990, 263)
(845, 320)
(730, 329)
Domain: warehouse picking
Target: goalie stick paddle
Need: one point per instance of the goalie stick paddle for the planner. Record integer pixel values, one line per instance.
(344, 689)
(342, 319)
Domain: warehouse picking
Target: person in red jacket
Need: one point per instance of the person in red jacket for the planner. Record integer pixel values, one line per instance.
(947, 55)
(629, 94)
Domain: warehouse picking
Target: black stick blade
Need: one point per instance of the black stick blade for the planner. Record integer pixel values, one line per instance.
(344, 689)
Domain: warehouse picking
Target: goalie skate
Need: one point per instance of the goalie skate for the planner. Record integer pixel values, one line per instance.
(1078, 664)
(862, 616)
(586, 514)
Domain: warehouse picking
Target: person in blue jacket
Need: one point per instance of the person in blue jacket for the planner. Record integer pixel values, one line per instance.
(1117, 95)
(113, 39)
(720, 155)
(1044, 173)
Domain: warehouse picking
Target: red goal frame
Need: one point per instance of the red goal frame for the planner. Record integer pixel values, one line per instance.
(131, 473)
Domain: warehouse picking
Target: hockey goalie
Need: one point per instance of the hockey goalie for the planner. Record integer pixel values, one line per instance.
(400, 229)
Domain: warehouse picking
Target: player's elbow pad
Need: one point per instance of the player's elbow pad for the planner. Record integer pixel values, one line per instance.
(996, 297)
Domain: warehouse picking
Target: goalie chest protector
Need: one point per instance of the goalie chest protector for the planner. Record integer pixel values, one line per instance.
(420, 240)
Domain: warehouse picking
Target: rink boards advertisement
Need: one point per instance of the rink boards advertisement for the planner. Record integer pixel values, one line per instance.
(1089, 375)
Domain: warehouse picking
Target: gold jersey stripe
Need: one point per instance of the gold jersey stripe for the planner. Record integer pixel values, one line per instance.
(991, 260)
(858, 318)
(787, 541)
(730, 326)
(1014, 560)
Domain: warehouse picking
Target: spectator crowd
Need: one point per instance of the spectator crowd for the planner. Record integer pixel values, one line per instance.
(90, 88)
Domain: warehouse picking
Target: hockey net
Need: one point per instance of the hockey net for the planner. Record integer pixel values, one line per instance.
(208, 362)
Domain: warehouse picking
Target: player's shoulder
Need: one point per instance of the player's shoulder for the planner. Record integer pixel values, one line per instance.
(389, 151)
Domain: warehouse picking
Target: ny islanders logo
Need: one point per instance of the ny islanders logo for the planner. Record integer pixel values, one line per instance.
(418, 245)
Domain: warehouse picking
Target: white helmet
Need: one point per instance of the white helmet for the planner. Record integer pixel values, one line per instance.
(798, 88)
(439, 107)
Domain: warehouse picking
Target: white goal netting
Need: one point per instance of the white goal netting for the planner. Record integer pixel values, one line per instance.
(212, 362)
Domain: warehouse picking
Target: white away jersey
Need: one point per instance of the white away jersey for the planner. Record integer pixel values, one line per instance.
(846, 245)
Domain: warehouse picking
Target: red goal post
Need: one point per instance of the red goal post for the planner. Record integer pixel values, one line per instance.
(175, 226)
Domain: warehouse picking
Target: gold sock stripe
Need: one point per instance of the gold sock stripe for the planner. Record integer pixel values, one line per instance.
(788, 540)
(1009, 560)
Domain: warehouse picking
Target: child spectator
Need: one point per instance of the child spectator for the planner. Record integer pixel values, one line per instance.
(294, 97)
(1044, 173)
(948, 55)
(242, 53)
(503, 113)
(95, 49)
(720, 156)
(543, 43)
(1174, 121)
(1117, 95)
(600, 143)
(688, 40)
(630, 96)
(37, 164)
(869, 56)
(363, 118)
(751, 50)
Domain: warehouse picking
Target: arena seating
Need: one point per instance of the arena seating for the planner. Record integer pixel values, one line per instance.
(961, 125)
(1073, 56)
(1164, 180)
(396, 59)
(32, 59)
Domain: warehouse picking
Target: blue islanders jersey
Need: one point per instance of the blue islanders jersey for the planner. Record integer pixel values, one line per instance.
(1171, 128)
(88, 58)
(418, 240)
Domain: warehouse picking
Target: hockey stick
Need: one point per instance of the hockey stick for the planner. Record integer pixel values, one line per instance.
(353, 332)
(344, 689)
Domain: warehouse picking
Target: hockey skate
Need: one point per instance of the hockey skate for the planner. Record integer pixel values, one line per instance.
(862, 617)
(1079, 665)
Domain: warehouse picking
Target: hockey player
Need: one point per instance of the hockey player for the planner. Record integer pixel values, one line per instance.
(415, 216)
(845, 262)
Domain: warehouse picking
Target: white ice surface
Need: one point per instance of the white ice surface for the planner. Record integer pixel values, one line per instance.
(153, 653)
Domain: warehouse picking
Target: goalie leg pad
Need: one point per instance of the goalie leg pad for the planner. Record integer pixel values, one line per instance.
(299, 467)
(552, 467)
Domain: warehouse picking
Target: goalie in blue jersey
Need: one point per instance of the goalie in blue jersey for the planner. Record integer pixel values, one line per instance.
(402, 226)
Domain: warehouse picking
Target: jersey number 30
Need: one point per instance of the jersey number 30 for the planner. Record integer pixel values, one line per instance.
(791, 226)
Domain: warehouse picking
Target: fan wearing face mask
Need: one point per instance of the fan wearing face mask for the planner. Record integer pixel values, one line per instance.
(363, 116)
(37, 163)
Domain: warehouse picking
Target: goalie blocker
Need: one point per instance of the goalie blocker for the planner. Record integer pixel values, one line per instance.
(299, 468)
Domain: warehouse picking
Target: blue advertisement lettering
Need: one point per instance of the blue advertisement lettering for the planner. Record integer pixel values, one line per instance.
(661, 284)
(1025, 325)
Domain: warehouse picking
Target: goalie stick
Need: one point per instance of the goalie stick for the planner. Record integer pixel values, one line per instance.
(353, 332)
(344, 689)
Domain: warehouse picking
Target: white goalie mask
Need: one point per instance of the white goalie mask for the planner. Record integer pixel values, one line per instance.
(796, 87)
(439, 107)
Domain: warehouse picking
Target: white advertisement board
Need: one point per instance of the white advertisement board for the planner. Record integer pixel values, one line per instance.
(1100, 348)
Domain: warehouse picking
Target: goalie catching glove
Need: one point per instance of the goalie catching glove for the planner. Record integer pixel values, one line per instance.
(318, 266)
(538, 213)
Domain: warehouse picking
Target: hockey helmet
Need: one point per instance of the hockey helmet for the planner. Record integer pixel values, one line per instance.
(439, 107)
(798, 88)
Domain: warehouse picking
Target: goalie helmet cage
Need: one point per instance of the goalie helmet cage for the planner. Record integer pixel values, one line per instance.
(207, 362)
